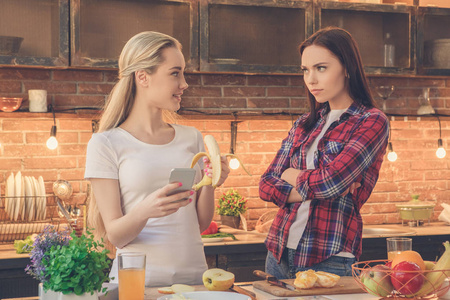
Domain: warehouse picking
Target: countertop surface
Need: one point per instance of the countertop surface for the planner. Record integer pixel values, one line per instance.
(252, 237)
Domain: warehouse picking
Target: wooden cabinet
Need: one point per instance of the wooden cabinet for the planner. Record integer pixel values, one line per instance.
(100, 28)
(253, 36)
(385, 33)
(239, 36)
(44, 27)
(433, 41)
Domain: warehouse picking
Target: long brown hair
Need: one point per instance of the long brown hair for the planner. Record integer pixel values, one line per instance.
(339, 42)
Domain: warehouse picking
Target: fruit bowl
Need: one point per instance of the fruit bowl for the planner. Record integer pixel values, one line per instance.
(377, 281)
(8, 104)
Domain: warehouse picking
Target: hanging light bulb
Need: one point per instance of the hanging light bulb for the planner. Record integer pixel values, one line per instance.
(234, 163)
(52, 142)
(440, 152)
(392, 156)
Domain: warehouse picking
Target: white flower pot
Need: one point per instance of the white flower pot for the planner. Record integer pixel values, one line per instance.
(51, 295)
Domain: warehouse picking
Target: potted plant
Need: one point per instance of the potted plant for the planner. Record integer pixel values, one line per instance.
(68, 266)
(230, 207)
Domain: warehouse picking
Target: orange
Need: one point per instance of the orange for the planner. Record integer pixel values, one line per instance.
(411, 256)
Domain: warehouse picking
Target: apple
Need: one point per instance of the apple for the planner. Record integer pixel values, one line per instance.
(407, 278)
(218, 279)
(389, 264)
(377, 280)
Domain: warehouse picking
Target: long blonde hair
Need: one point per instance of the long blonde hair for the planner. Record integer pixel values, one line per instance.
(142, 52)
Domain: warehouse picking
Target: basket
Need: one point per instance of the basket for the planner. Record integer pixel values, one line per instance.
(378, 289)
(265, 221)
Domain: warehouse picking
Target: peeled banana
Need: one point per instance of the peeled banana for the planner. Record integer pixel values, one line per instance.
(214, 157)
(435, 278)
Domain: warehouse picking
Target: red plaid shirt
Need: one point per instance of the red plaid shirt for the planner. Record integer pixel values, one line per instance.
(351, 151)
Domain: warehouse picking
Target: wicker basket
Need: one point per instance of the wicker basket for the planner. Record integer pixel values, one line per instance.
(435, 291)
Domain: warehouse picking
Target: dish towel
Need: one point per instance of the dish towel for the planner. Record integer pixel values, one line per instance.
(445, 214)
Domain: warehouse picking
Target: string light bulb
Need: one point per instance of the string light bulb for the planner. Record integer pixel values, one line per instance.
(52, 142)
(392, 156)
(440, 152)
(234, 162)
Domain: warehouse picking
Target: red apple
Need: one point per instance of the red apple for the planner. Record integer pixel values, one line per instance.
(377, 280)
(389, 263)
(407, 278)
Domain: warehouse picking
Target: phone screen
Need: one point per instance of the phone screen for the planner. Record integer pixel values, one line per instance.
(184, 175)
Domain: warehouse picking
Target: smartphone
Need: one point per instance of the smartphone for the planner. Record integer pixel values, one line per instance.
(185, 176)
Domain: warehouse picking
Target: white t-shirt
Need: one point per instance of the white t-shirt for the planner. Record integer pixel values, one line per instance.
(298, 227)
(173, 243)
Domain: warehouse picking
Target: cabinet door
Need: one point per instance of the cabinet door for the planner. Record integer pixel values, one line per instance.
(43, 27)
(385, 33)
(100, 28)
(433, 41)
(259, 36)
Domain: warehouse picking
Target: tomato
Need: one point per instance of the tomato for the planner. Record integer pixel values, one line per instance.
(213, 228)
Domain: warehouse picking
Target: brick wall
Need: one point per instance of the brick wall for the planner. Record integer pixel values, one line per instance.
(263, 104)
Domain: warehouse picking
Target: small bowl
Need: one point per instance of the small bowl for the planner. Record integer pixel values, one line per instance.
(10, 45)
(8, 104)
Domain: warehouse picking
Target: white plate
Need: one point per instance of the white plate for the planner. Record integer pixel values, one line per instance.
(212, 240)
(9, 206)
(38, 204)
(43, 198)
(205, 295)
(17, 193)
(29, 192)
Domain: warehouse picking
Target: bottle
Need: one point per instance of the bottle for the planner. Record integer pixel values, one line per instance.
(389, 51)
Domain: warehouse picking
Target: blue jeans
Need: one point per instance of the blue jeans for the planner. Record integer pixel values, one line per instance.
(338, 265)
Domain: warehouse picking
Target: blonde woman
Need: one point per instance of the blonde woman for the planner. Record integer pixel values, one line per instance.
(129, 161)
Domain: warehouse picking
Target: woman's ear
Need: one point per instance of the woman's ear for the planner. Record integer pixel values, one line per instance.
(142, 78)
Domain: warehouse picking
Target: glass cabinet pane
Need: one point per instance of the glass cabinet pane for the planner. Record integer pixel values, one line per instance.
(102, 27)
(43, 29)
(252, 38)
(433, 40)
(384, 33)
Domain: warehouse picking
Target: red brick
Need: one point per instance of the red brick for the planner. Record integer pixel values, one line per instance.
(285, 92)
(224, 79)
(270, 125)
(27, 125)
(72, 174)
(268, 80)
(72, 149)
(75, 124)
(11, 137)
(244, 91)
(9, 86)
(27, 151)
(10, 164)
(52, 87)
(50, 162)
(224, 102)
(95, 88)
(67, 101)
(193, 79)
(203, 92)
(297, 81)
(24, 74)
(77, 75)
(111, 76)
(374, 219)
(425, 82)
(268, 102)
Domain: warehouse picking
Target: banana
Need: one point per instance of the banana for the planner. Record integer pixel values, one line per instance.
(436, 276)
(214, 157)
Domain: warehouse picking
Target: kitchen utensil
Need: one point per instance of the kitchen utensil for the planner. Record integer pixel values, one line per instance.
(345, 285)
(10, 104)
(10, 45)
(238, 289)
(64, 212)
(415, 210)
(273, 280)
(62, 189)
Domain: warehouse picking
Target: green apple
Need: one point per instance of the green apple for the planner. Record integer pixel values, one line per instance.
(218, 279)
(377, 280)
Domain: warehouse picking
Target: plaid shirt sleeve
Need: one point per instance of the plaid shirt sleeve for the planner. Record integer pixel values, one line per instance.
(359, 153)
(271, 187)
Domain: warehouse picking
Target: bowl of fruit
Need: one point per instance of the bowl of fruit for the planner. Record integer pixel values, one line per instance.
(406, 276)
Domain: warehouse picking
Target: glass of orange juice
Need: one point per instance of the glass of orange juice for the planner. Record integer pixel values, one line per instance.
(131, 275)
(395, 245)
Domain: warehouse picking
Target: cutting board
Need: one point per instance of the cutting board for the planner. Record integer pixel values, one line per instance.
(345, 285)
